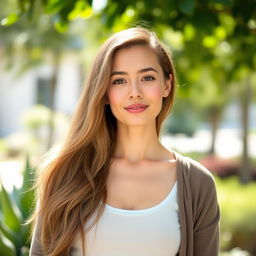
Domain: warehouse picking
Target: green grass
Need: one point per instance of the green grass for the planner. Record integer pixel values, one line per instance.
(238, 212)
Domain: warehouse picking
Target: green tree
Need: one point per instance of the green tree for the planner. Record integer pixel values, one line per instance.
(36, 41)
(217, 36)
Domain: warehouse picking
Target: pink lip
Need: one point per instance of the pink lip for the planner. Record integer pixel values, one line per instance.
(136, 109)
(137, 105)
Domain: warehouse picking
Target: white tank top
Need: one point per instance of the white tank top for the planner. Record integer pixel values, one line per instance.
(153, 231)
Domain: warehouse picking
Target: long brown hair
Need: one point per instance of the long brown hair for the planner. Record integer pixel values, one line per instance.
(71, 185)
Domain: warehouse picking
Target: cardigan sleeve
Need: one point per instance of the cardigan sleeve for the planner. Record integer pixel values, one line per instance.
(206, 215)
(35, 248)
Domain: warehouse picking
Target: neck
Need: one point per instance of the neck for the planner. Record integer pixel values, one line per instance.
(139, 143)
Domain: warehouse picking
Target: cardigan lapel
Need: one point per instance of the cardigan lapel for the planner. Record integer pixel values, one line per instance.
(184, 197)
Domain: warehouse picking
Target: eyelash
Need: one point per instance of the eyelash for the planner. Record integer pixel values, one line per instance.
(116, 80)
(151, 78)
(145, 78)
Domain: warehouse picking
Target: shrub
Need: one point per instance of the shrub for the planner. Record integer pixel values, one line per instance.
(238, 213)
(14, 210)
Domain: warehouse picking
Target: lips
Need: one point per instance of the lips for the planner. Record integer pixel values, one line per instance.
(136, 106)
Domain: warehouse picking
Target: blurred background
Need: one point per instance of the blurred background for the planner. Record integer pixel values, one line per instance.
(46, 49)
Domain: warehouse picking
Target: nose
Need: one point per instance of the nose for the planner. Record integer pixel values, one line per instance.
(135, 91)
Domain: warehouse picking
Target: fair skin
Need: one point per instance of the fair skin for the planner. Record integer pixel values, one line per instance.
(142, 170)
(137, 86)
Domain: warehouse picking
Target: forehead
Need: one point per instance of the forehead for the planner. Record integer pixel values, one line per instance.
(136, 57)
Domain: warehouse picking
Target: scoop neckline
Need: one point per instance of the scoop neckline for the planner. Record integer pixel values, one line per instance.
(146, 210)
(153, 208)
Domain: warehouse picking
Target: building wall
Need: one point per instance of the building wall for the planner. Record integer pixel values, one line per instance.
(17, 95)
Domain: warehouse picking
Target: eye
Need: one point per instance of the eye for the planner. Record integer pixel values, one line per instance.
(118, 81)
(148, 78)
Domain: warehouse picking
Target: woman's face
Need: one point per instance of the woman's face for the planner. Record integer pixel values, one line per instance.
(136, 77)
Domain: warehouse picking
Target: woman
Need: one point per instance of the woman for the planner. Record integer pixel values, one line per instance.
(113, 185)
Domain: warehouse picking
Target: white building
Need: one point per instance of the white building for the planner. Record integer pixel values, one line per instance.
(20, 94)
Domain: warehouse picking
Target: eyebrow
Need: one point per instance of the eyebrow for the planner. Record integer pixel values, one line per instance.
(140, 71)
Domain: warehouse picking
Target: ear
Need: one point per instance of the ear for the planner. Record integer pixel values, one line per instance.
(167, 86)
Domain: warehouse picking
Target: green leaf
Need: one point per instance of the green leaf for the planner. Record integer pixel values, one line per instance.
(25, 233)
(11, 214)
(6, 247)
(224, 2)
(209, 41)
(26, 194)
(109, 15)
(82, 10)
(189, 32)
(10, 19)
(54, 6)
(11, 235)
(90, 2)
(15, 194)
(44, 2)
(187, 6)
(60, 25)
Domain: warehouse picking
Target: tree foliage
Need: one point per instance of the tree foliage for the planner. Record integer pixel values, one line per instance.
(213, 40)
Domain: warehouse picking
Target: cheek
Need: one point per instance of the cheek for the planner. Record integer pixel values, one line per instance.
(155, 92)
(114, 96)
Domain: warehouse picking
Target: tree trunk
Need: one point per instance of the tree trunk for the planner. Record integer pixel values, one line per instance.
(53, 86)
(244, 172)
(81, 77)
(214, 119)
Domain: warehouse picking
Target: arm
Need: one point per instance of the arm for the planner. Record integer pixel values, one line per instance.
(35, 249)
(207, 216)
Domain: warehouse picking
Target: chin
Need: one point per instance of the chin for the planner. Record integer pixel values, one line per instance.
(134, 123)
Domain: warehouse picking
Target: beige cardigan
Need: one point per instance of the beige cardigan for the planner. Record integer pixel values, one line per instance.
(199, 212)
